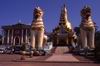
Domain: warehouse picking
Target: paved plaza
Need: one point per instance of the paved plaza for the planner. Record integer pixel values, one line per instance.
(48, 58)
(53, 60)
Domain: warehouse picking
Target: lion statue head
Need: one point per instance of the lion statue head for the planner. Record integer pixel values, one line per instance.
(38, 12)
(86, 12)
(87, 23)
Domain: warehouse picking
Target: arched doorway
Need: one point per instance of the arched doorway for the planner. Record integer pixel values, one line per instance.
(16, 40)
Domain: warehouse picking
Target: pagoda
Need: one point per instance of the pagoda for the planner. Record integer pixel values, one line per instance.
(63, 33)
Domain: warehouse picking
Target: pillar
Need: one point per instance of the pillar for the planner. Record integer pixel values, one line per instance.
(26, 40)
(12, 37)
(8, 32)
(33, 39)
(3, 37)
(22, 37)
(14, 41)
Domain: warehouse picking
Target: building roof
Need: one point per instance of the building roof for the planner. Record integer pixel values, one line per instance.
(16, 26)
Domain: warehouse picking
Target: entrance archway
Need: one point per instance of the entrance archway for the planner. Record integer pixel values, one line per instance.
(16, 40)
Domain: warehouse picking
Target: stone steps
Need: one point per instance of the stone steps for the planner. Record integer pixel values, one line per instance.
(61, 50)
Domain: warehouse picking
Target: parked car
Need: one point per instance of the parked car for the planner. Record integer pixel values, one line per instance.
(9, 50)
(48, 47)
(26, 49)
(39, 53)
(17, 49)
(1, 51)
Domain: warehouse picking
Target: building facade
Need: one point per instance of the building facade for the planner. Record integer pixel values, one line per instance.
(16, 34)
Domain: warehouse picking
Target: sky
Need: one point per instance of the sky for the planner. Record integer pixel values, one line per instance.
(13, 11)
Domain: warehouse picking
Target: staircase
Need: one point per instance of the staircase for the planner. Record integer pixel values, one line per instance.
(60, 50)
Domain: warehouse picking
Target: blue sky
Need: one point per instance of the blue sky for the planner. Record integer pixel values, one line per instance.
(11, 11)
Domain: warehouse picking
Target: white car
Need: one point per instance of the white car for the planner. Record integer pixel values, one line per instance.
(2, 51)
(48, 47)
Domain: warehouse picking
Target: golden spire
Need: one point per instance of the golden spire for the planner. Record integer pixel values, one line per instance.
(64, 18)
